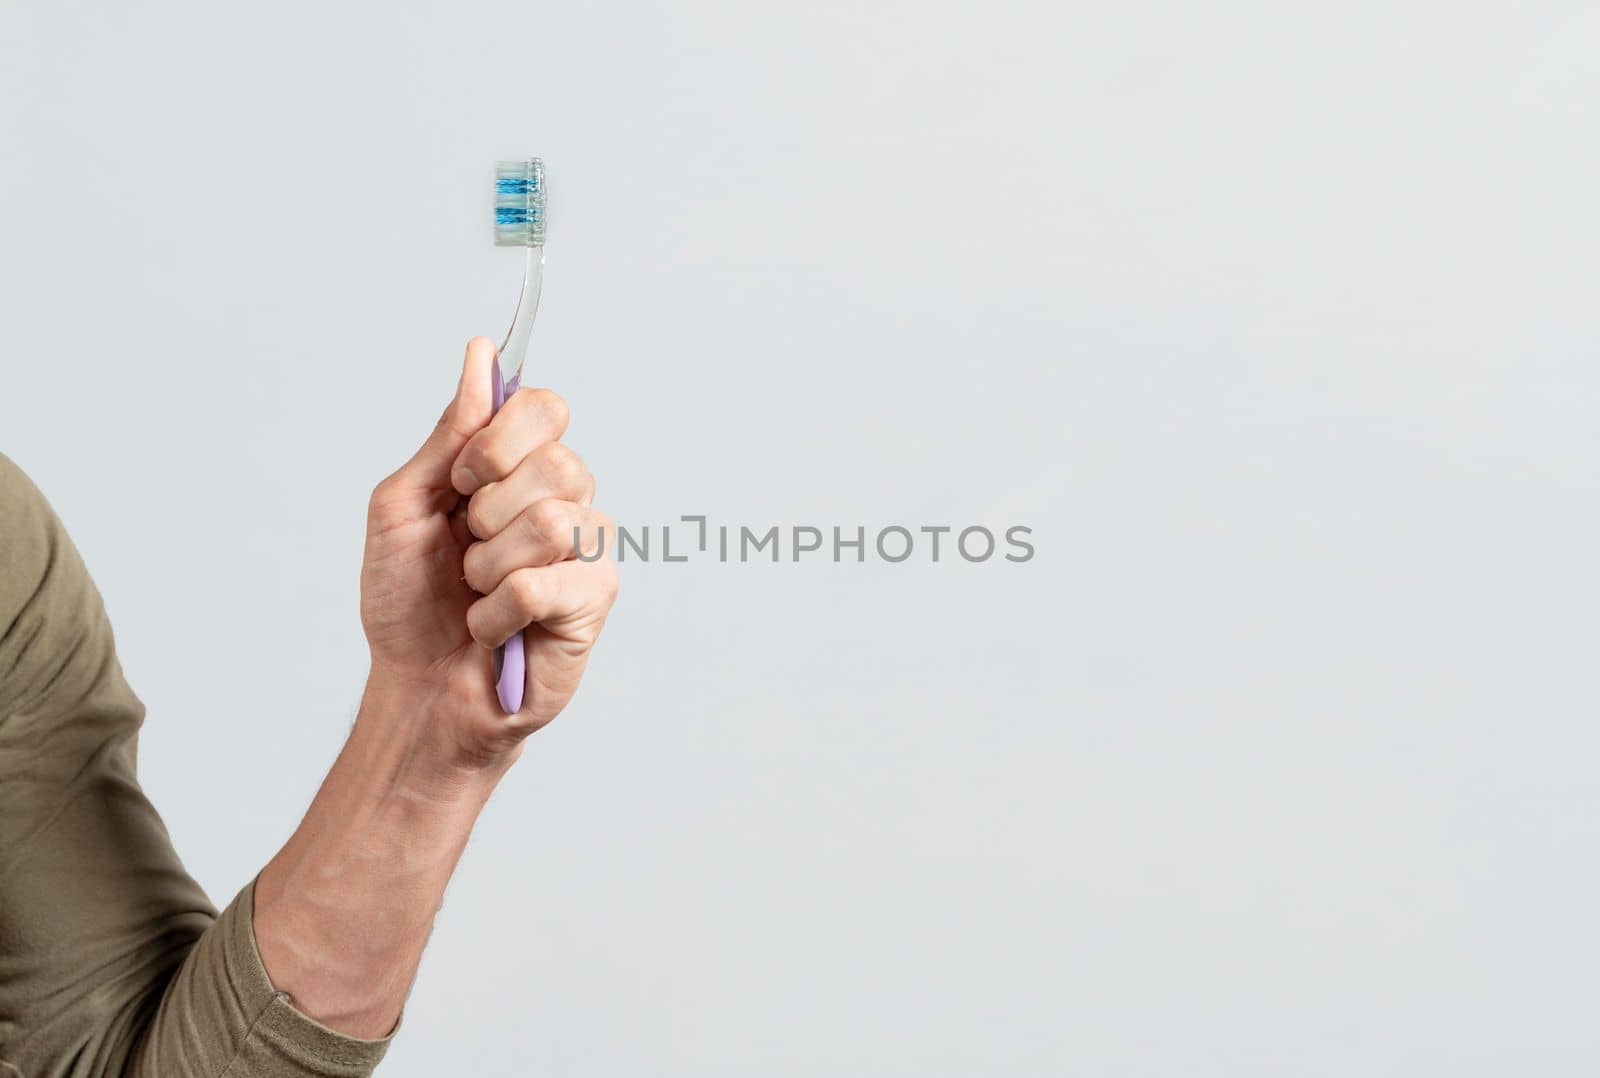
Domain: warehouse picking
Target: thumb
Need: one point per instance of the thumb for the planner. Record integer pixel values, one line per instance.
(469, 412)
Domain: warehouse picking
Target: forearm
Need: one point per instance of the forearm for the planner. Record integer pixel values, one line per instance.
(472, 540)
(342, 913)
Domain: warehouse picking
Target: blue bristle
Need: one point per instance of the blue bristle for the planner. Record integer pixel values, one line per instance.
(519, 210)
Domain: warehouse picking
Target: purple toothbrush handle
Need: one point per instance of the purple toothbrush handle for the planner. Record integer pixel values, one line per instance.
(510, 661)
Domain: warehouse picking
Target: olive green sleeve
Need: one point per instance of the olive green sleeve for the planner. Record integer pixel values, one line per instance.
(113, 962)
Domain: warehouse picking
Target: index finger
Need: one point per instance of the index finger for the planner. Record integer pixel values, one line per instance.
(529, 419)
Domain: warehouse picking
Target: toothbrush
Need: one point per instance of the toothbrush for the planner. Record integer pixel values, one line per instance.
(519, 212)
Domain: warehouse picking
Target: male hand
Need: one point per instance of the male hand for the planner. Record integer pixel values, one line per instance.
(472, 540)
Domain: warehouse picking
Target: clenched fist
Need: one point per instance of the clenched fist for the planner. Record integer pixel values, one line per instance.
(479, 536)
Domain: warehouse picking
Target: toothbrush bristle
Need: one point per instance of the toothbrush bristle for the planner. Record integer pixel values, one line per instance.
(519, 203)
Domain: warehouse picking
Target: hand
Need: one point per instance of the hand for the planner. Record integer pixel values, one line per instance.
(472, 540)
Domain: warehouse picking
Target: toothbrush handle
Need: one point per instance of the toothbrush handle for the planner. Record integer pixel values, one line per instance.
(510, 660)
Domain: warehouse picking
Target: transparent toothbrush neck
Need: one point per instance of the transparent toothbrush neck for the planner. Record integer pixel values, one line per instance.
(515, 347)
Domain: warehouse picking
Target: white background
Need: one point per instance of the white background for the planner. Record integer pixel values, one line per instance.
(1275, 322)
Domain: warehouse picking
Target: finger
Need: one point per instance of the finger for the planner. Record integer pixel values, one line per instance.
(544, 533)
(529, 419)
(553, 470)
(469, 410)
(570, 598)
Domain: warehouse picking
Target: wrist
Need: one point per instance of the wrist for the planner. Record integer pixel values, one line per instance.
(393, 805)
(410, 726)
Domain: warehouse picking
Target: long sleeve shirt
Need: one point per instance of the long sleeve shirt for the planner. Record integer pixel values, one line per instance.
(113, 962)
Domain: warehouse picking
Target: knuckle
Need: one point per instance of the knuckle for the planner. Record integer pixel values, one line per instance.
(453, 423)
(523, 587)
(384, 502)
(564, 466)
(478, 522)
(475, 567)
(550, 404)
(382, 494)
(477, 614)
(548, 518)
(495, 459)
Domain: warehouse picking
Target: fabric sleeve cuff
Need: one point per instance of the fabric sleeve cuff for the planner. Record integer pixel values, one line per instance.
(279, 1027)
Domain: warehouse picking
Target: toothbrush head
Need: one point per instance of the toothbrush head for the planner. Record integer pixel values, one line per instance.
(519, 203)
